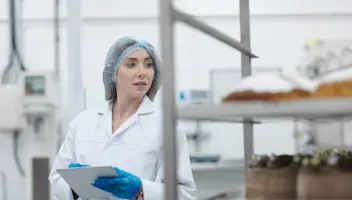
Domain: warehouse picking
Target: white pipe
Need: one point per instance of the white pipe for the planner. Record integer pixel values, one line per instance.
(76, 94)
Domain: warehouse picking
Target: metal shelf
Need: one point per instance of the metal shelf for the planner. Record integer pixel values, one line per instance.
(185, 114)
(310, 109)
(307, 109)
(168, 16)
(221, 165)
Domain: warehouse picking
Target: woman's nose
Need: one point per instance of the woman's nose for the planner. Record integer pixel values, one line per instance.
(141, 71)
(141, 75)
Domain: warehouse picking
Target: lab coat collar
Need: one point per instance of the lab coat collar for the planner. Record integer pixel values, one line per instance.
(146, 107)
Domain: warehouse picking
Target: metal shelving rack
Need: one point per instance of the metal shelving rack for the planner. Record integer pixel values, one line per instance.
(168, 16)
(304, 109)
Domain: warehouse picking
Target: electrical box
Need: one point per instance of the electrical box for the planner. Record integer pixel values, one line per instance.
(199, 96)
(194, 96)
(40, 92)
(11, 118)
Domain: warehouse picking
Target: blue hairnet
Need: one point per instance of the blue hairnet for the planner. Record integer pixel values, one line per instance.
(117, 53)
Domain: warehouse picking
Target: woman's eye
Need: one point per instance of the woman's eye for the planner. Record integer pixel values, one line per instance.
(149, 64)
(131, 64)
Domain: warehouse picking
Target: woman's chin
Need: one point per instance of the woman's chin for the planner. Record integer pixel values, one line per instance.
(138, 94)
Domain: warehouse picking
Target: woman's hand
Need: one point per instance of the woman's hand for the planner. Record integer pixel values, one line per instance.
(76, 165)
(125, 185)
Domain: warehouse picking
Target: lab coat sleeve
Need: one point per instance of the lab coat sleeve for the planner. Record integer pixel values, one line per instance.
(186, 186)
(60, 189)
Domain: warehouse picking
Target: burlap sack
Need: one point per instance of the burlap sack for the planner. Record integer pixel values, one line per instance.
(271, 183)
(327, 183)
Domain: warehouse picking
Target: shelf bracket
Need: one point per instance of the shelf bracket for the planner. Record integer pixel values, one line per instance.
(203, 27)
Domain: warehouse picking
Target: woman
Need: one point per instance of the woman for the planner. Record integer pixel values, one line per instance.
(126, 133)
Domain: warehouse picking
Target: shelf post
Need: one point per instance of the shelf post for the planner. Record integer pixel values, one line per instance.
(246, 70)
(168, 98)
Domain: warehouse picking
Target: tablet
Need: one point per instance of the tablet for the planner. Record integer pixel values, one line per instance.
(81, 179)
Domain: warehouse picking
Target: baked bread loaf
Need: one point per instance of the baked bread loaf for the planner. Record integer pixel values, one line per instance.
(336, 84)
(271, 87)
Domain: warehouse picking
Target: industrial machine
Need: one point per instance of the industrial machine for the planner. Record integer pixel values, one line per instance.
(30, 106)
(29, 112)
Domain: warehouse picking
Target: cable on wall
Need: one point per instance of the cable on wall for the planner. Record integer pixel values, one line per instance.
(14, 52)
(15, 145)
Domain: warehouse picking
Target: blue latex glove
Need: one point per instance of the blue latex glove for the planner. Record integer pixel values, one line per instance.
(77, 165)
(125, 186)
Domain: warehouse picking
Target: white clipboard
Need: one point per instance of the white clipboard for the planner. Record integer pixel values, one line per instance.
(81, 179)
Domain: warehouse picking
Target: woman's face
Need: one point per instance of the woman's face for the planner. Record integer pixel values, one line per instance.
(135, 75)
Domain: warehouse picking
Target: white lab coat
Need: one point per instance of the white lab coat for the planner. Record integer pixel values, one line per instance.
(135, 147)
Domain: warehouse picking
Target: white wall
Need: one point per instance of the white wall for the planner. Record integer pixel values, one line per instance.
(279, 29)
